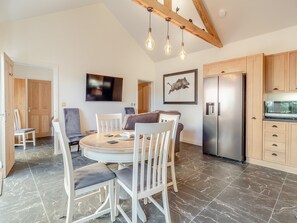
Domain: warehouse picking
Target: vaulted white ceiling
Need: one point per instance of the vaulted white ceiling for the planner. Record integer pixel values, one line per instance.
(244, 19)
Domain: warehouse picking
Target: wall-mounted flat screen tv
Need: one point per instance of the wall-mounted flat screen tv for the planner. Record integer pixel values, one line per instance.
(103, 88)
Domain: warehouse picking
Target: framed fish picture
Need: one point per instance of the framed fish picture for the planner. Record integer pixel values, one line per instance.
(180, 87)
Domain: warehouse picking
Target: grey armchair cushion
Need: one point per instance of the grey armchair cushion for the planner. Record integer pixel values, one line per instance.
(92, 174)
(72, 121)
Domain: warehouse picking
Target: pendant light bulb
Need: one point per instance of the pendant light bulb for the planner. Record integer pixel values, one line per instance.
(150, 42)
(167, 47)
(182, 53)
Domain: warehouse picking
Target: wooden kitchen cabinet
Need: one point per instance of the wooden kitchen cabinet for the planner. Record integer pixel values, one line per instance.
(254, 106)
(292, 145)
(293, 71)
(276, 72)
(224, 67)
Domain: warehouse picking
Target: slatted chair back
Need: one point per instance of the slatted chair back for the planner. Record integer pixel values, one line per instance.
(151, 148)
(109, 122)
(17, 120)
(67, 160)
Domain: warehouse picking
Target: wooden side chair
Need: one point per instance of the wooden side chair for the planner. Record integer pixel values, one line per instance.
(148, 175)
(84, 181)
(72, 126)
(170, 163)
(22, 133)
(109, 122)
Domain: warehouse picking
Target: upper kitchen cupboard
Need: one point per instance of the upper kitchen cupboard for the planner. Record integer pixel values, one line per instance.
(237, 65)
(254, 106)
(276, 70)
(293, 71)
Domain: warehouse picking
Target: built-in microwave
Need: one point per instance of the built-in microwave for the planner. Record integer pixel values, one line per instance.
(281, 109)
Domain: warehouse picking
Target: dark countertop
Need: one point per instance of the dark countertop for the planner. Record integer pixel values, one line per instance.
(280, 120)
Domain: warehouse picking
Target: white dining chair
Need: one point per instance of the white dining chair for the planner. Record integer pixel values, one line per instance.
(109, 122)
(84, 181)
(171, 163)
(22, 133)
(148, 175)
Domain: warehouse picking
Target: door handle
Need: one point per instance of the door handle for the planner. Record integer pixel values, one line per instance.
(275, 135)
(275, 89)
(274, 126)
(29, 109)
(219, 109)
(253, 117)
(274, 154)
(274, 145)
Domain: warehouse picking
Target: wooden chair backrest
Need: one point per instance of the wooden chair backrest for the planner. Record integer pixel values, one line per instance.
(109, 122)
(151, 147)
(67, 159)
(174, 118)
(17, 120)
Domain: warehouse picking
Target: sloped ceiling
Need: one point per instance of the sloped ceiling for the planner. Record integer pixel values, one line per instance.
(244, 19)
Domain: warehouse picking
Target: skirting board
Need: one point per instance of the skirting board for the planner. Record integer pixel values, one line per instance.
(272, 165)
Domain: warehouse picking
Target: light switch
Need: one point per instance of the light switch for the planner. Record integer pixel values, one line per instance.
(63, 104)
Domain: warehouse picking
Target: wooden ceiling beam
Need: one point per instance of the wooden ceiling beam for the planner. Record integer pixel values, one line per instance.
(165, 11)
(205, 18)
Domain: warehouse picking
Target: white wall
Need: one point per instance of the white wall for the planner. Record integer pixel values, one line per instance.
(283, 40)
(33, 72)
(77, 41)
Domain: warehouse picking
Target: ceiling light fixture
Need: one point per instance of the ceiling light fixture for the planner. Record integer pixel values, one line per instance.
(182, 53)
(167, 47)
(150, 43)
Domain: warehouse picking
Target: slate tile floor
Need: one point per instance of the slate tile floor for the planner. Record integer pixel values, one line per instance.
(210, 190)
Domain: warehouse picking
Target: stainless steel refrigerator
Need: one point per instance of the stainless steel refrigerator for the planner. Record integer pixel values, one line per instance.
(224, 116)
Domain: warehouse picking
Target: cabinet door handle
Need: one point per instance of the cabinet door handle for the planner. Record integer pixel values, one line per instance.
(275, 135)
(274, 154)
(253, 117)
(222, 71)
(275, 89)
(274, 126)
(274, 145)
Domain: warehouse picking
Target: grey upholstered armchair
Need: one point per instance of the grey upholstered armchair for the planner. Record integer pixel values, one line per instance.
(72, 126)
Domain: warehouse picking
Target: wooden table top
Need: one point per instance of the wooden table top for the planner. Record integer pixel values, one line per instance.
(99, 142)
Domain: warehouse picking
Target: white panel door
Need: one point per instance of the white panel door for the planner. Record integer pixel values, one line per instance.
(6, 114)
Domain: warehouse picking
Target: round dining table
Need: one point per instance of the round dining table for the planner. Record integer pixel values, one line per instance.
(110, 147)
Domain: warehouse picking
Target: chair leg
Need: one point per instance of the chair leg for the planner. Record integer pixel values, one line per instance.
(172, 167)
(69, 215)
(34, 138)
(24, 141)
(63, 206)
(134, 209)
(166, 206)
(111, 200)
(117, 198)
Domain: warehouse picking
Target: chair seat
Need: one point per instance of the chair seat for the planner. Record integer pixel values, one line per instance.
(75, 138)
(24, 130)
(92, 174)
(126, 175)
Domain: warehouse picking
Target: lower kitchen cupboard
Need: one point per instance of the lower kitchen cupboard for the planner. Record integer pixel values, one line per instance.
(292, 145)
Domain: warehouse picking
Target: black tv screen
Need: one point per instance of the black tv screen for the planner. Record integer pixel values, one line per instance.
(103, 88)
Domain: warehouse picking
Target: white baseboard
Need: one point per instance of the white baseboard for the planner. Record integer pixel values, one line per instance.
(190, 141)
(272, 165)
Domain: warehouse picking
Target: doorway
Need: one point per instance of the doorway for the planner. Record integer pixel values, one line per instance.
(144, 96)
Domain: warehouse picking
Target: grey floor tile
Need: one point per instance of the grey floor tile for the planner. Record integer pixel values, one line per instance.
(259, 185)
(255, 204)
(219, 212)
(291, 180)
(284, 213)
(288, 194)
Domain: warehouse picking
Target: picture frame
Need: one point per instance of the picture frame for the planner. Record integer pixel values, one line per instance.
(180, 87)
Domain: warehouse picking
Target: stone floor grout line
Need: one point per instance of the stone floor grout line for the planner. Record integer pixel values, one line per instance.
(37, 189)
(192, 221)
(278, 197)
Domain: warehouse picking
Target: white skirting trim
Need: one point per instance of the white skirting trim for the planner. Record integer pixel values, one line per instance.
(272, 165)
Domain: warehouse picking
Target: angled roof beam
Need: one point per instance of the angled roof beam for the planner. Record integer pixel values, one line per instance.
(165, 11)
(205, 17)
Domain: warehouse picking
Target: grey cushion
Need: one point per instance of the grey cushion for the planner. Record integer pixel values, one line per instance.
(72, 121)
(126, 175)
(150, 117)
(24, 130)
(91, 175)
